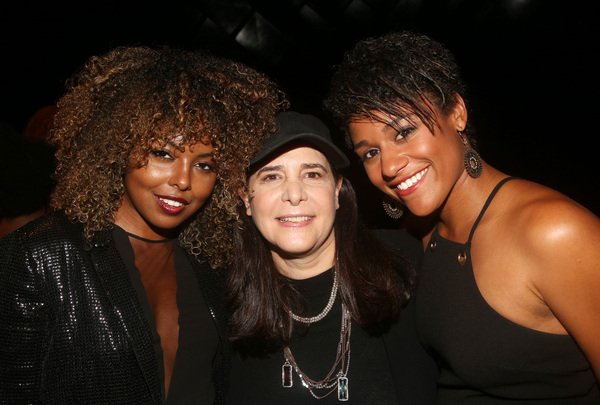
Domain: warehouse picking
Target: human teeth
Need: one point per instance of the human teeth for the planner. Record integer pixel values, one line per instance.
(413, 180)
(294, 219)
(171, 202)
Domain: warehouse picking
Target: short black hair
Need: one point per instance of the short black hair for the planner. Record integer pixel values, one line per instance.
(399, 74)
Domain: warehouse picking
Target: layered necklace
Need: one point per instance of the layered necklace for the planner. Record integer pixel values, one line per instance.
(337, 376)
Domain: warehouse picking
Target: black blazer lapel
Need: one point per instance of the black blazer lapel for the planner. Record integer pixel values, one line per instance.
(119, 289)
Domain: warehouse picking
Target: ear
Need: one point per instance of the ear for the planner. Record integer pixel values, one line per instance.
(246, 198)
(459, 113)
(338, 187)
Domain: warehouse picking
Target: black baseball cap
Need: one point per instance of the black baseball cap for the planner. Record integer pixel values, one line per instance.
(292, 128)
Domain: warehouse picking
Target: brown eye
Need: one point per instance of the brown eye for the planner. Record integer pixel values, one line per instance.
(269, 177)
(205, 166)
(161, 154)
(369, 154)
(404, 133)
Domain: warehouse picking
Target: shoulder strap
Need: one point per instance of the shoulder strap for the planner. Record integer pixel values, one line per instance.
(487, 204)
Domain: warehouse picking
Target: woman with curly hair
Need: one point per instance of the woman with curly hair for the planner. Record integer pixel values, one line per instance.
(507, 299)
(114, 297)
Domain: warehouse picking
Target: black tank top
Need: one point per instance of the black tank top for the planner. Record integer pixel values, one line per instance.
(484, 358)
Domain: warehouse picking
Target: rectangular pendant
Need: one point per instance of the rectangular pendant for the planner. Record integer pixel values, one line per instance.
(286, 375)
(342, 389)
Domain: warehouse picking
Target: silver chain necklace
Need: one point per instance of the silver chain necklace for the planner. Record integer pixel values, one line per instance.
(325, 311)
(333, 379)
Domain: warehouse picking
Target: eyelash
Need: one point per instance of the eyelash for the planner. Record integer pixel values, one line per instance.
(402, 134)
(205, 166)
(365, 156)
(163, 154)
(268, 177)
(314, 175)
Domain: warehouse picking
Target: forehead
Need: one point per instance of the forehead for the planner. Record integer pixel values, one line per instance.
(302, 155)
(379, 124)
(362, 130)
(184, 143)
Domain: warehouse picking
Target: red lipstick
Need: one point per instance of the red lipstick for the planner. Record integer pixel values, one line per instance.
(171, 204)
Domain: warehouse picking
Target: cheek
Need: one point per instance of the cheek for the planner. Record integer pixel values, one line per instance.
(204, 186)
(257, 212)
(329, 201)
(134, 182)
(374, 175)
(257, 208)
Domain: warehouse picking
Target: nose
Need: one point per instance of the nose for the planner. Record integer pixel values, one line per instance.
(293, 192)
(392, 161)
(181, 176)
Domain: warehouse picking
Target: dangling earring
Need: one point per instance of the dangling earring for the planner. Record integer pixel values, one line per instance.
(472, 159)
(392, 209)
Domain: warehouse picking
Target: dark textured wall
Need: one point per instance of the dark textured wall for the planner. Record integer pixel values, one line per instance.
(531, 64)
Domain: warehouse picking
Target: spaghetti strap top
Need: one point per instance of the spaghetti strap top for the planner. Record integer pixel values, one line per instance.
(485, 358)
(486, 205)
(462, 253)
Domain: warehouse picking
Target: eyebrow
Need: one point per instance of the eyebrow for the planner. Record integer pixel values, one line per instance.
(269, 169)
(314, 166)
(176, 146)
(280, 167)
(389, 125)
(182, 148)
(360, 145)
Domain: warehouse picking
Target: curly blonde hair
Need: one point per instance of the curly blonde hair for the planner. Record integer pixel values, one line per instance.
(122, 104)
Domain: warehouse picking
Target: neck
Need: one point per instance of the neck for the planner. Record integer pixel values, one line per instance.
(303, 266)
(143, 230)
(465, 202)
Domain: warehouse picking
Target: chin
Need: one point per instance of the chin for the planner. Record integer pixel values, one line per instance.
(421, 210)
(293, 251)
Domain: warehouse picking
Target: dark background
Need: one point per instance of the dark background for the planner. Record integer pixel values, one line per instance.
(531, 64)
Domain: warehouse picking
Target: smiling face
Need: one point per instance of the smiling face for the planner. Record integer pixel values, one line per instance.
(167, 191)
(408, 162)
(293, 203)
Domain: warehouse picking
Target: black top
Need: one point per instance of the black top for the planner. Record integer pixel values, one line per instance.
(414, 371)
(198, 339)
(259, 381)
(484, 357)
(72, 329)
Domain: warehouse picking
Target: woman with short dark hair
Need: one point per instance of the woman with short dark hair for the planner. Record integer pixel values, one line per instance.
(508, 297)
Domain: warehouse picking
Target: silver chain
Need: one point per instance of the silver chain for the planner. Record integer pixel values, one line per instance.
(332, 380)
(325, 311)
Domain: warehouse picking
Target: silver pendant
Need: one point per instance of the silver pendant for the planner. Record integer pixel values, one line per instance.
(286, 375)
(342, 388)
(473, 163)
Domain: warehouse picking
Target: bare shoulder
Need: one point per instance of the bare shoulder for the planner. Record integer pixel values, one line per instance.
(549, 246)
(543, 217)
(558, 243)
(557, 238)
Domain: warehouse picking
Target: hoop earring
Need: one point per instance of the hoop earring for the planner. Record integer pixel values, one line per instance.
(393, 210)
(472, 159)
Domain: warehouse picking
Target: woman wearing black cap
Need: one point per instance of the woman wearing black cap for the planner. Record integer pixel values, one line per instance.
(312, 292)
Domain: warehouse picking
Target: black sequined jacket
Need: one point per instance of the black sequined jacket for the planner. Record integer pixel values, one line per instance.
(72, 330)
